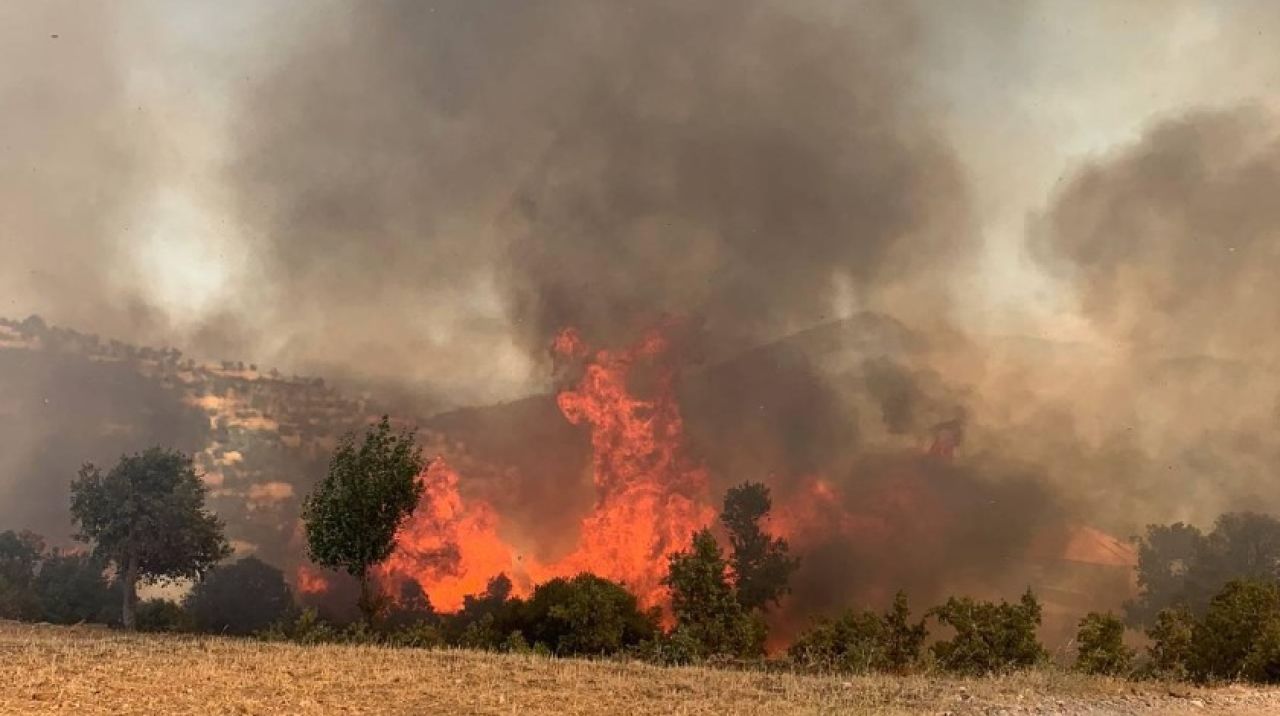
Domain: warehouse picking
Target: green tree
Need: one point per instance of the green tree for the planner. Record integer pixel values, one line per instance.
(1233, 639)
(1100, 646)
(244, 597)
(990, 638)
(353, 515)
(1170, 633)
(72, 588)
(704, 604)
(20, 556)
(147, 518)
(761, 564)
(586, 615)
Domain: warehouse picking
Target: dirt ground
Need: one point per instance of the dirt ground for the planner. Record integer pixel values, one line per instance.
(86, 670)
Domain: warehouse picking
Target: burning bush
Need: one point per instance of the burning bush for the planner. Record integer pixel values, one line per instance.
(990, 638)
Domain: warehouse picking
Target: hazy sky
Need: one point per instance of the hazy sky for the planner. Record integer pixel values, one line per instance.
(123, 212)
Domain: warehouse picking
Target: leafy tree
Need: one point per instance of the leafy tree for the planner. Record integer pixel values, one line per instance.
(863, 641)
(20, 555)
(72, 588)
(1170, 650)
(1234, 640)
(760, 563)
(1100, 646)
(353, 515)
(1179, 565)
(585, 615)
(706, 609)
(147, 517)
(990, 638)
(244, 597)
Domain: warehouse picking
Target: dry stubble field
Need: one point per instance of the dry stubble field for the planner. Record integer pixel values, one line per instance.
(85, 670)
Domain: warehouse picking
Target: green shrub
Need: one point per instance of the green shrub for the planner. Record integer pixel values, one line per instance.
(1100, 646)
(1169, 653)
(585, 615)
(71, 589)
(244, 597)
(990, 638)
(705, 606)
(1236, 637)
(20, 556)
(163, 615)
(862, 641)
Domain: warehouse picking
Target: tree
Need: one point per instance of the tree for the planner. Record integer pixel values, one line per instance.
(990, 638)
(244, 597)
(147, 518)
(20, 555)
(1100, 646)
(1236, 637)
(1179, 565)
(72, 588)
(586, 615)
(354, 513)
(704, 604)
(760, 563)
(1169, 653)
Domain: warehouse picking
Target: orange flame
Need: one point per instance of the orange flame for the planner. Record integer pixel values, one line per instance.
(311, 581)
(450, 547)
(650, 497)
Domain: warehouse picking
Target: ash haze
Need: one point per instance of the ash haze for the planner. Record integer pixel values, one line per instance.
(1068, 203)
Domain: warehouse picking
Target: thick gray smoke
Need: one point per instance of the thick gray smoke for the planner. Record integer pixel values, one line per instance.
(755, 165)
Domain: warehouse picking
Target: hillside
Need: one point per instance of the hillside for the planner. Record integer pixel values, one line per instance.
(79, 670)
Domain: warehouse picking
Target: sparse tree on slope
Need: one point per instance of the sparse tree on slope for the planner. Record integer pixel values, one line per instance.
(353, 515)
(147, 517)
(760, 562)
(706, 609)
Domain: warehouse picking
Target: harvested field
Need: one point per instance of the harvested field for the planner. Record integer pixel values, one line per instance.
(85, 670)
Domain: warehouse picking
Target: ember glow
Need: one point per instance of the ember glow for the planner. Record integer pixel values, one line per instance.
(650, 495)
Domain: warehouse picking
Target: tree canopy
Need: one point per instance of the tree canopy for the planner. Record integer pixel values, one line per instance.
(353, 514)
(760, 562)
(244, 597)
(147, 517)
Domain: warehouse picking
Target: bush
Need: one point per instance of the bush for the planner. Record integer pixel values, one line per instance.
(162, 615)
(244, 597)
(20, 555)
(305, 628)
(990, 637)
(1100, 646)
(585, 615)
(71, 589)
(705, 606)
(1237, 638)
(862, 641)
(1169, 654)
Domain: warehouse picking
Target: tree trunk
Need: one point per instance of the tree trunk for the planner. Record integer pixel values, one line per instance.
(367, 606)
(129, 585)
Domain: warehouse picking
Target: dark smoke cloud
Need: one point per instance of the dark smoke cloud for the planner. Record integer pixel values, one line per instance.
(544, 164)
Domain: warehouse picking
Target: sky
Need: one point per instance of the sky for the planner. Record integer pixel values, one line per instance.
(125, 142)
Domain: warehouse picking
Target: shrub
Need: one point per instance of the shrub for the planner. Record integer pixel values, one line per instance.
(20, 555)
(71, 589)
(305, 628)
(1236, 637)
(585, 615)
(990, 637)
(162, 615)
(244, 597)
(705, 606)
(762, 565)
(1100, 646)
(1169, 653)
(862, 641)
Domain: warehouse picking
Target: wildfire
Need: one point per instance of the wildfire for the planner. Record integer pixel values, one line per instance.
(311, 581)
(650, 496)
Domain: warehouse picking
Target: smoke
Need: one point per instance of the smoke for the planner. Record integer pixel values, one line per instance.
(1171, 244)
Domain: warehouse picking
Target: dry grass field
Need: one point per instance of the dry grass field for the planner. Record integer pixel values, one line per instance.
(82, 670)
